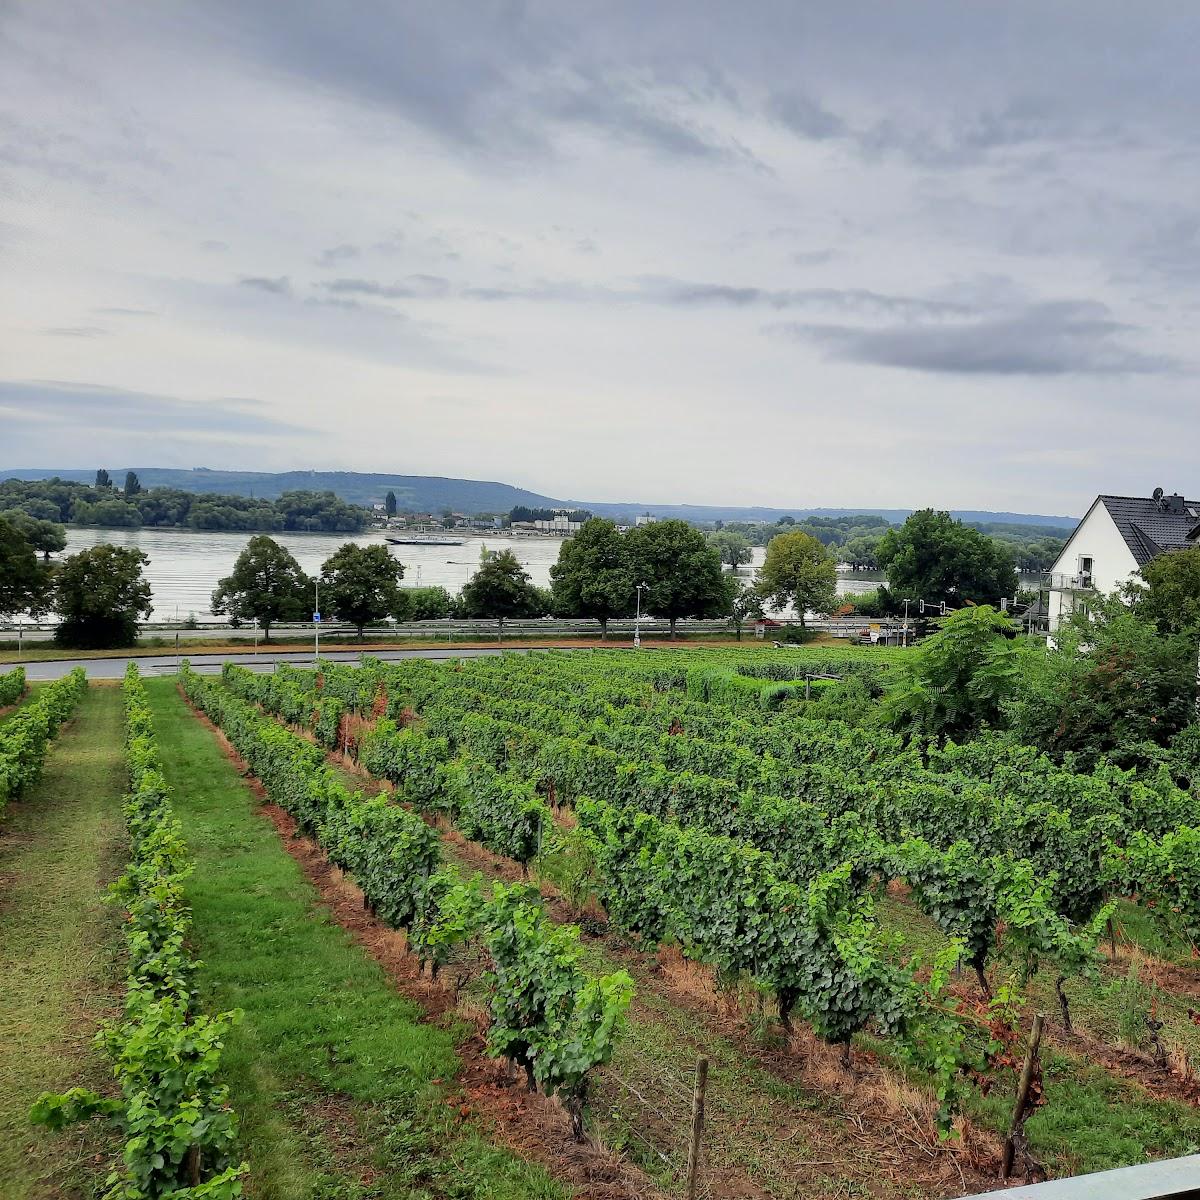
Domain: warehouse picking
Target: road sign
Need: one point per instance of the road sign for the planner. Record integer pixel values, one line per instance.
(316, 618)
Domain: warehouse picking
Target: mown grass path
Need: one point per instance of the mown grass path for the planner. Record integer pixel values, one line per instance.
(59, 847)
(339, 1084)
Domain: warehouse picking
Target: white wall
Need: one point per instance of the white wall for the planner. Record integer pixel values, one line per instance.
(1099, 539)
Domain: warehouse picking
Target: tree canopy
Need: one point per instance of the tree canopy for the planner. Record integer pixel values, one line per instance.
(683, 573)
(101, 594)
(389, 504)
(933, 557)
(733, 547)
(593, 576)
(798, 572)
(266, 585)
(423, 604)
(361, 584)
(24, 582)
(501, 589)
(1171, 595)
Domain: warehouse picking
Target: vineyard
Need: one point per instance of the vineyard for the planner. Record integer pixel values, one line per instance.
(611, 866)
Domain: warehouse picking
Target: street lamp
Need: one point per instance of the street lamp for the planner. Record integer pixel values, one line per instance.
(637, 621)
(316, 620)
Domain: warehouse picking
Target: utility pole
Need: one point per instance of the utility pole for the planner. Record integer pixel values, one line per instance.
(316, 620)
(637, 621)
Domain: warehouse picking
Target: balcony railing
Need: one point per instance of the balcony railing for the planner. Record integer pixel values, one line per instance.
(1069, 583)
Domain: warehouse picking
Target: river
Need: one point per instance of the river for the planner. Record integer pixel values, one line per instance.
(185, 564)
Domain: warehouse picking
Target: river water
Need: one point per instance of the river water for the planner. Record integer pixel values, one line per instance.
(186, 564)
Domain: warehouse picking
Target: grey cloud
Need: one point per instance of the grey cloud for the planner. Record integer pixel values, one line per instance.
(337, 254)
(414, 287)
(213, 246)
(52, 404)
(804, 116)
(126, 312)
(282, 286)
(1066, 337)
(76, 331)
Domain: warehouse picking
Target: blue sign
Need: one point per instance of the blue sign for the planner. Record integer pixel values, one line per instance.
(316, 618)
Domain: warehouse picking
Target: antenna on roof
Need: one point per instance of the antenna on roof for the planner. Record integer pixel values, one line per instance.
(1158, 493)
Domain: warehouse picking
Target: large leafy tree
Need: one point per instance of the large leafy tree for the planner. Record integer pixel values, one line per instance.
(361, 584)
(594, 575)
(423, 604)
(389, 504)
(1110, 684)
(46, 537)
(934, 557)
(24, 581)
(101, 594)
(682, 572)
(798, 572)
(1171, 595)
(960, 679)
(267, 585)
(733, 547)
(132, 485)
(501, 589)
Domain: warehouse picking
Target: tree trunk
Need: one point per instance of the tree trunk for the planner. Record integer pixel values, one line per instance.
(1064, 1007)
(673, 620)
(360, 632)
(500, 622)
(604, 629)
(266, 628)
(984, 987)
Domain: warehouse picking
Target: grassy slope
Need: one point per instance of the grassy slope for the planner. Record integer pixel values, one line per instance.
(332, 1071)
(58, 940)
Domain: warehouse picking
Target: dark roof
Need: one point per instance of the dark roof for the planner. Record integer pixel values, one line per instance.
(1149, 528)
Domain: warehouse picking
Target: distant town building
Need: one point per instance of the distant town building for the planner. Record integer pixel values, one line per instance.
(647, 519)
(1116, 538)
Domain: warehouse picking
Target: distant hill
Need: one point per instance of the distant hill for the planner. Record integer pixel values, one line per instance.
(433, 493)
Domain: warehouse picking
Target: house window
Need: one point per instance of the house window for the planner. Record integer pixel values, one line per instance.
(1085, 570)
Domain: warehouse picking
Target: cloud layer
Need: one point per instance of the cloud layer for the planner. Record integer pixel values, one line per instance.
(789, 254)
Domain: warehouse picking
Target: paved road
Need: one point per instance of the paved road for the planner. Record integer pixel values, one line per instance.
(210, 664)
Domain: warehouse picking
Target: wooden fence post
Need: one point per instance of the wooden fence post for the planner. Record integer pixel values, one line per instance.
(693, 1164)
(1016, 1128)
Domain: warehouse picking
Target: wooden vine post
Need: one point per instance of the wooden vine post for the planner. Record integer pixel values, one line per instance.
(1016, 1130)
(693, 1163)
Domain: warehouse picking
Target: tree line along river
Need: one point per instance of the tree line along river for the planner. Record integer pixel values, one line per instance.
(186, 564)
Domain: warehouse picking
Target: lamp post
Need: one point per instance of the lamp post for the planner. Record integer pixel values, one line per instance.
(316, 620)
(637, 620)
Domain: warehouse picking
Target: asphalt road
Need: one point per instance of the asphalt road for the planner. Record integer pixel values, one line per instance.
(210, 664)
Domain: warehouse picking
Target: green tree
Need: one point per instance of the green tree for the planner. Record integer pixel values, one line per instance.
(747, 605)
(798, 571)
(734, 548)
(267, 585)
(862, 551)
(1110, 684)
(683, 573)
(361, 584)
(100, 594)
(132, 485)
(501, 589)
(102, 479)
(389, 504)
(23, 580)
(933, 557)
(959, 680)
(1171, 595)
(423, 604)
(46, 537)
(594, 576)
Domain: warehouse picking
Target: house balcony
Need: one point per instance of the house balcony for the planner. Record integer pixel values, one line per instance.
(1068, 583)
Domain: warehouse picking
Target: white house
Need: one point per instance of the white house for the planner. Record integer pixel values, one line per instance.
(1117, 537)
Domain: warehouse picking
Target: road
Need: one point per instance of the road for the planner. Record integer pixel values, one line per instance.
(210, 664)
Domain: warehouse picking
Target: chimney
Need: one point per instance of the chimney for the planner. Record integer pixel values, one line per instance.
(1175, 504)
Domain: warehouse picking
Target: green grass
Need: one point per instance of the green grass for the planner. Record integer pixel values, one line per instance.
(332, 1071)
(59, 973)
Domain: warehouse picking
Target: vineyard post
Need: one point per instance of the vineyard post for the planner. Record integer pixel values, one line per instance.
(1015, 1129)
(693, 1163)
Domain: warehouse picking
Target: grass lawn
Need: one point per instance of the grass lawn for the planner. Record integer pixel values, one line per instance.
(340, 1087)
(59, 973)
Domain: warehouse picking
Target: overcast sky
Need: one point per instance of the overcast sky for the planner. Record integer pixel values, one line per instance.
(786, 253)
